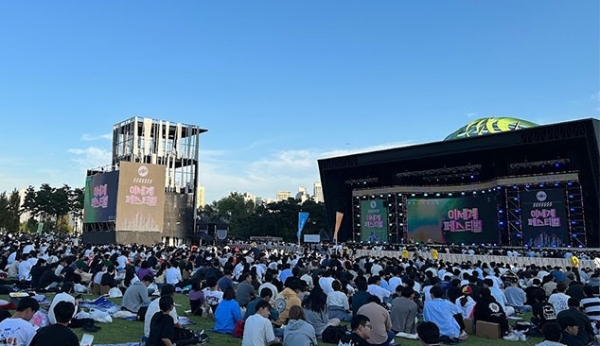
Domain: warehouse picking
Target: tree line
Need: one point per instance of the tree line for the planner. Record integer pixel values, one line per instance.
(49, 204)
(278, 219)
(53, 205)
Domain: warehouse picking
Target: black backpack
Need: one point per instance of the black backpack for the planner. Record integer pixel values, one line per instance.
(333, 334)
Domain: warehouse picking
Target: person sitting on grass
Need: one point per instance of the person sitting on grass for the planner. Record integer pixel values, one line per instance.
(163, 331)
(552, 335)
(315, 310)
(197, 299)
(570, 329)
(265, 295)
(361, 330)
(447, 316)
(298, 331)
(17, 330)
(258, 330)
(228, 313)
(154, 307)
(58, 334)
(136, 296)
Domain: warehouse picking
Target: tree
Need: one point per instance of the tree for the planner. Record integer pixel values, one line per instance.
(14, 212)
(30, 202)
(61, 201)
(4, 213)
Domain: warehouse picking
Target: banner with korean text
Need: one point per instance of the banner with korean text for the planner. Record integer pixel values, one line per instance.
(544, 218)
(468, 219)
(141, 197)
(100, 197)
(374, 221)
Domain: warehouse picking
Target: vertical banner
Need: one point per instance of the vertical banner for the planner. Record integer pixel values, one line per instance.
(544, 218)
(140, 197)
(100, 197)
(40, 228)
(302, 218)
(338, 223)
(374, 221)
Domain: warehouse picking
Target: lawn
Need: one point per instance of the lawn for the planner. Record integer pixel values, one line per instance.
(121, 331)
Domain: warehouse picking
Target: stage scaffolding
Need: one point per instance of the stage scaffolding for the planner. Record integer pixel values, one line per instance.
(510, 218)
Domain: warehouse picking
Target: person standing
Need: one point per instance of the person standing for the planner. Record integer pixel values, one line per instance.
(58, 334)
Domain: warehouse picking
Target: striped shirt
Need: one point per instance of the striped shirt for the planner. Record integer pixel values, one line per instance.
(591, 307)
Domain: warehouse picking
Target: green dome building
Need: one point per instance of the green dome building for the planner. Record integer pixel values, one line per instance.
(486, 126)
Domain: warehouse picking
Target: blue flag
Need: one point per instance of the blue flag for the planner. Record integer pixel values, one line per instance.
(302, 218)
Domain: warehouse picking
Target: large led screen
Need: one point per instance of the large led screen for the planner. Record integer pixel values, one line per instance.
(374, 221)
(465, 219)
(100, 197)
(544, 217)
(141, 198)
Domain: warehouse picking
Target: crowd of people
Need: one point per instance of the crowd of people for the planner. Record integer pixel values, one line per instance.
(267, 295)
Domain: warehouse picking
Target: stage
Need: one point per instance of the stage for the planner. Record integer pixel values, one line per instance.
(534, 187)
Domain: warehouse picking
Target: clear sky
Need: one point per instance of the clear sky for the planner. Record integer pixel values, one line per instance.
(279, 84)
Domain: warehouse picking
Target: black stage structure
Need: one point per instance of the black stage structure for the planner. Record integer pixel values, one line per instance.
(530, 187)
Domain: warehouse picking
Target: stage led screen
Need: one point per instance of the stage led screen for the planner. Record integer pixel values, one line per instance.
(374, 221)
(544, 217)
(100, 197)
(468, 219)
(141, 197)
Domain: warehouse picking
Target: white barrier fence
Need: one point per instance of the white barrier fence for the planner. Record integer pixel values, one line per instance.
(458, 258)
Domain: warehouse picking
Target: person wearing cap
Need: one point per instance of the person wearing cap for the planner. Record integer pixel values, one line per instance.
(404, 312)
(466, 303)
(136, 296)
(570, 329)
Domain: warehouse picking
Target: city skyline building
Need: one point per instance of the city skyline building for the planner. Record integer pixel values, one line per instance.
(282, 195)
(318, 192)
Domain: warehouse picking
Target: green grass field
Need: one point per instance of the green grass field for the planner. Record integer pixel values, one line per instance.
(121, 331)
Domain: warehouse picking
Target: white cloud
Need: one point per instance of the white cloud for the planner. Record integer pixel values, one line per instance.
(91, 157)
(88, 137)
(471, 115)
(279, 171)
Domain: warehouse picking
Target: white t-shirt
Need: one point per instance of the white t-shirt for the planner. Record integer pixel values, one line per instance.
(213, 298)
(25, 270)
(172, 276)
(337, 298)
(559, 301)
(61, 297)
(16, 328)
(258, 331)
(153, 308)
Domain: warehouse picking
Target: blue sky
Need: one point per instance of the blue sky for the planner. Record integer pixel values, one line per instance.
(280, 84)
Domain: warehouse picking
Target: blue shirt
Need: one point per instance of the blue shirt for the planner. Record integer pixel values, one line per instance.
(286, 273)
(384, 284)
(226, 316)
(441, 312)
